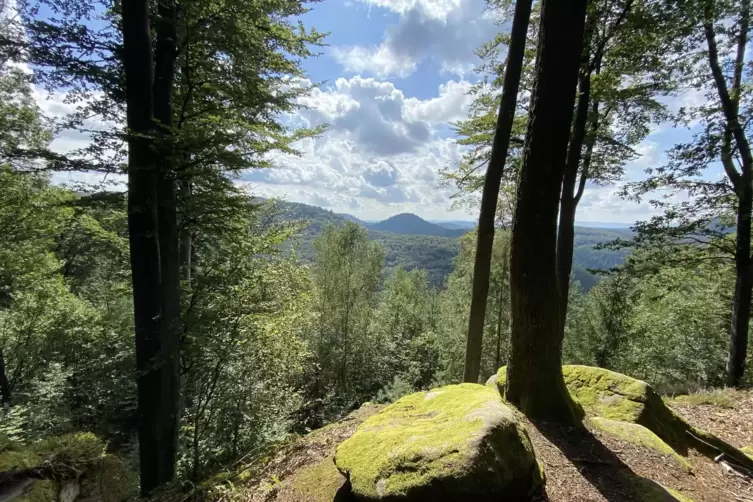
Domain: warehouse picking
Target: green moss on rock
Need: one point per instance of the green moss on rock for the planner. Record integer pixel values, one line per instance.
(317, 483)
(638, 435)
(459, 442)
(651, 491)
(611, 395)
(614, 396)
(19, 460)
(42, 490)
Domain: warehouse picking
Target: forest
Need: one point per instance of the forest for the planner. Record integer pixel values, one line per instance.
(167, 333)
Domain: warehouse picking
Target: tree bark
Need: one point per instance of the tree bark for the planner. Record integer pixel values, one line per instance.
(490, 194)
(568, 204)
(5, 388)
(143, 239)
(534, 373)
(164, 73)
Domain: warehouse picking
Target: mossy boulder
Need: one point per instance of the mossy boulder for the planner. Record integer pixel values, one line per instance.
(615, 396)
(651, 491)
(459, 442)
(607, 394)
(70, 464)
(320, 482)
(638, 435)
(42, 490)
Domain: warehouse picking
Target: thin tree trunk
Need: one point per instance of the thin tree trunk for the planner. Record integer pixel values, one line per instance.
(492, 181)
(568, 204)
(534, 372)
(143, 239)
(186, 236)
(500, 299)
(5, 389)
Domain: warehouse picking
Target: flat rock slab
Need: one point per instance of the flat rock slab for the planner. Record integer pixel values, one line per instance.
(459, 442)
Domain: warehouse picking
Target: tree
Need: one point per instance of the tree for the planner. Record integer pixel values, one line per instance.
(715, 37)
(534, 373)
(492, 181)
(346, 275)
(454, 302)
(405, 323)
(617, 101)
(201, 87)
(152, 238)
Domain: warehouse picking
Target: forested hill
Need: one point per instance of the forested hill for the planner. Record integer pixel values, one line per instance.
(411, 224)
(414, 243)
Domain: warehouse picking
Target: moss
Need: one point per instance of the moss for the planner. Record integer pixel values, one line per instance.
(317, 483)
(42, 490)
(718, 399)
(19, 460)
(638, 435)
(607, 394)
(650, 491)
(456, 441)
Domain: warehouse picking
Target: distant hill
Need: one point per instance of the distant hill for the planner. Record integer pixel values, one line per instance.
(454, 224)
(436, 253)
(410, 224)
(352, 218)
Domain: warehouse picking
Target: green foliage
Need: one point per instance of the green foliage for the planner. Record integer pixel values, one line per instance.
(454, 307)
(346, 276)
(246, 316)
(653, 321)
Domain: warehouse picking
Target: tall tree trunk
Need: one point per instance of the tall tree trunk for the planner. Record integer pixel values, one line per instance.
(164, 72)
(568, 203)
(534, 372)
(738, 346)
(143, 239)
(742, 182)
(5, 390)
(492, 181)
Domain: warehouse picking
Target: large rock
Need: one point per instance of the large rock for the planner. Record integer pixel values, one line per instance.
(459, 442)
(71, 467)
(615, 396)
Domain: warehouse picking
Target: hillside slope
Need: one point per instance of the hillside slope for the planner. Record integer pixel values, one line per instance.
(433, 248)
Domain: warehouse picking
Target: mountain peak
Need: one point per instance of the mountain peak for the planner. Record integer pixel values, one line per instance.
(409, 223)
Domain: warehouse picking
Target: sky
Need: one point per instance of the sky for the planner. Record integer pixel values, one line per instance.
(395, 74)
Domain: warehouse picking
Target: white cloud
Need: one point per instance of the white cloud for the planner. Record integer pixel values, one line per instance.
(445, 31)
(378, 60)
(380, 155)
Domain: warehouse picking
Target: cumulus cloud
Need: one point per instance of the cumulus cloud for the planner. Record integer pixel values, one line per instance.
(445, 31)
(380, 154)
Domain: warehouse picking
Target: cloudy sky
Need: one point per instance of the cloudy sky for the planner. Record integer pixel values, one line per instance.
(396, 74)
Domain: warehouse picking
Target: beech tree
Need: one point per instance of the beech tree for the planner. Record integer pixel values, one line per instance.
(534, 373)
(493, 179)
(715, 37)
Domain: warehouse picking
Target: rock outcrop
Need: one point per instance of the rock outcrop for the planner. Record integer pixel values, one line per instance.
(67, 468)
(459, 442)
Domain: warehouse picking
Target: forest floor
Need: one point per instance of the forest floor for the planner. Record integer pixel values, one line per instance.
(580, 465)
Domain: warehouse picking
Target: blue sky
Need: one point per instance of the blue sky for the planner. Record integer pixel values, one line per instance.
(396, 74)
